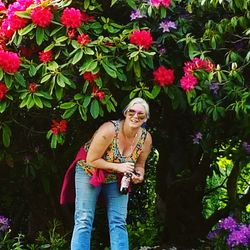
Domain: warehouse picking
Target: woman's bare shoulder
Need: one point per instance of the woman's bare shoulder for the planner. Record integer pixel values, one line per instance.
(148, 139)
(107, 129)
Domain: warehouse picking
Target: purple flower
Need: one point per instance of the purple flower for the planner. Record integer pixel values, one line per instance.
(246, 147)
(214, 87)
(239, 236)
(162, 50)
(4, 223)
(228, 223)
(197, 138)
(136, 14)
(167, 25)
(213, 234)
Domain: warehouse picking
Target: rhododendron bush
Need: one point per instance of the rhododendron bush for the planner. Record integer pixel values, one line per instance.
(66, 64)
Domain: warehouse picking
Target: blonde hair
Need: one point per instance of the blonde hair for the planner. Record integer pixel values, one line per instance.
(140, 101)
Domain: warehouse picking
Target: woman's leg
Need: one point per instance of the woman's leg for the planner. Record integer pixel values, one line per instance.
(117, 213)
(85, 203)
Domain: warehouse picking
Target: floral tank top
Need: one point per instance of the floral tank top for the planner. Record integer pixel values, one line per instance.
(113, 154)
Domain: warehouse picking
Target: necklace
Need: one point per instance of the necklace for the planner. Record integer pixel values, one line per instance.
(131, 147)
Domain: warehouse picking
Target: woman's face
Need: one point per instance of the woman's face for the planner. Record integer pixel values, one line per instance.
(136, 115)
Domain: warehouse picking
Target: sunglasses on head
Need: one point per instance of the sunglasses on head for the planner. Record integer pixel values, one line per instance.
(140, 115)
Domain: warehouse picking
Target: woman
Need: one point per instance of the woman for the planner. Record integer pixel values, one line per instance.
(117, 147)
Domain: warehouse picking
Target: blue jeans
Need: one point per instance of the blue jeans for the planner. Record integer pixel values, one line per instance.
(85, 203)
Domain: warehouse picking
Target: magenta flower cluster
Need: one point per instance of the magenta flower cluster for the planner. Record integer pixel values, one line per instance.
(4, 223)
(237, 234)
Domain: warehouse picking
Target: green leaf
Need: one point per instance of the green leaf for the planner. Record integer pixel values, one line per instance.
(137, 69)
(58, 92)
(8, 80)
(61, 39)
(86, 101)
(89, 65)
(6, 135)
(82, 112)
(155, 91)
(69, 112)
(3, 106)
(1, 74)
(94, 108)
(45, 78)
(88, 51)
(53, 32)
(113, 2)
(20, 79)
(49, 47)
(37, 101)
(77, 57)
(39, 35)
(67, 105)
(26, 29)
(60, 80)
(53, 142)
(132, 4)
(32, 70)
(109, 70)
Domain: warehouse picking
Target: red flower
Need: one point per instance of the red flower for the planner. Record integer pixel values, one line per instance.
(209, 66)
(71, 18)
(32, 87)
(141, 38)
(58, 127)
(45, 56)
(87, 18)
(83, 39)
(9, 61)
(41, 16)
(109, 44)
(2, 45)
(71, 33)
(3, 91)
(164, 76)
(188, 82)
(25, 51)
(89, 76)
(2, 6)
(98, 93)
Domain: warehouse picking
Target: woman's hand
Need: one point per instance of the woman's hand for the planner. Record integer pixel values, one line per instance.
(126, 167)
(137, 178)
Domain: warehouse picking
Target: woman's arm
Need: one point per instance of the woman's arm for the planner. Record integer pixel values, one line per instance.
(140, 163)
(98, 146)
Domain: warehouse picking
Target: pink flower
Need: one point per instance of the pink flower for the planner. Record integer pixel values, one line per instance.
(188, 82)
(141, 38)
(41, 16)
(9, 61)
(166, 3)
(71, 18)
(3, 91)
(83, 39)
(45, 56)
(12, 24)
(2, 6)
(164, 76)
(157, 3)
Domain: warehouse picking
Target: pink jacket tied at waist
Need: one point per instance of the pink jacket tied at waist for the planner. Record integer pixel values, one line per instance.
(68, 186)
